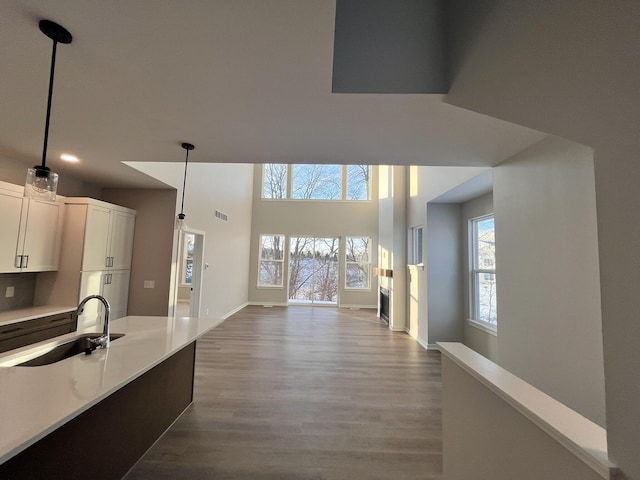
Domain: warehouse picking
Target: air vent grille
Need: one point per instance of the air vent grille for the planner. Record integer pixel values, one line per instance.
(221, 216)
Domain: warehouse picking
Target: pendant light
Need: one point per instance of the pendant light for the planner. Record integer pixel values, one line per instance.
(180, 221)
(41, 182)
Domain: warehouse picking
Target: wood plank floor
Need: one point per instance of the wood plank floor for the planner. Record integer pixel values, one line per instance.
(306, 393)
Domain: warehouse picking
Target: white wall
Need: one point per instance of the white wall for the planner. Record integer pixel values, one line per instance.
(480, 340)
(315, 219)
(571, 68)
(549, 328)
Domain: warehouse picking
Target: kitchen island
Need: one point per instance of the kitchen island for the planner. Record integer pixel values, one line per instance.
(97, 414)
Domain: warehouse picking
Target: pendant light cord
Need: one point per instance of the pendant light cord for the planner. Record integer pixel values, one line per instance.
(46, 125)
(184, 182)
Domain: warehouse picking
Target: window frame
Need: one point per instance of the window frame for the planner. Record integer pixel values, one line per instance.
(283, 238)
(185, 259)
(475, 271)
(415, 250)
(347, 263)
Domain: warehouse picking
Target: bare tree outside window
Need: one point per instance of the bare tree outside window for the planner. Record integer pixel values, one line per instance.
(358, 182)
(317, 182)
(358, 263)
(274, 180)
(483, 270)
(313, 270)
(271, 261)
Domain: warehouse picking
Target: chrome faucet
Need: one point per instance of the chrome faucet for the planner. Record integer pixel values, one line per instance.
(104, 340)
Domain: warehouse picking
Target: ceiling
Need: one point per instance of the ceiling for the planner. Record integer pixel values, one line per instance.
(246, 81)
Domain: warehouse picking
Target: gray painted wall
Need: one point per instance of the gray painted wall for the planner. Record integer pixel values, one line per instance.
(24, 288)
(444, 272)
(152, 246)
(549, 329)
(480, 340)
(389, 47)
(570, 68)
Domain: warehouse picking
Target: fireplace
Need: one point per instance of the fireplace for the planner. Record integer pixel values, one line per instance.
(384, 304)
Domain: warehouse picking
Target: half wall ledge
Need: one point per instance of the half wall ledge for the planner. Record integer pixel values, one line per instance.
(578, 435)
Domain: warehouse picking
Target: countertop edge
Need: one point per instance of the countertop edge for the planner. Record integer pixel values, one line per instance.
(24, 444)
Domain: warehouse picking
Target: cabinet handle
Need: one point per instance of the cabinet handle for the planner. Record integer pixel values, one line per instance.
(106, 263)
(26, 261)
(112, 261)
(18, 263)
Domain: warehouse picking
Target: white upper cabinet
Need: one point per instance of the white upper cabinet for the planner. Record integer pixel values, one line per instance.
(42, 233)
(108, 239)
(11, 211)
(31, 233)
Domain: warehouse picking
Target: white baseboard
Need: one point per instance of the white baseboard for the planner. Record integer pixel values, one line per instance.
(235, 310)
(358, 307)
(267, 304)
(422, 343)
(397, 329)
(433, 346)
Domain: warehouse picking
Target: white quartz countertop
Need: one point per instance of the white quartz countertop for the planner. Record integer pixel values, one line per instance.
(35, 401)
(29, 313)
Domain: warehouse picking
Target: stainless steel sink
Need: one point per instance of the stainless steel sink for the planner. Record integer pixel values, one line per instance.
(75, 346)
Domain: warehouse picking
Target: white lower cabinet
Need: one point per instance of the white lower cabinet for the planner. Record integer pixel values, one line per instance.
(112, 285)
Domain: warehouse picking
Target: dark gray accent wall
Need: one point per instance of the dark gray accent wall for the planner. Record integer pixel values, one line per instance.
(444, 277)
(384, 46)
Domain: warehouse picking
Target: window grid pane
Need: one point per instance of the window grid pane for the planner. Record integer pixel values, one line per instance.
(358, 182)
(358, 263)
(274, 180)
(317, 182)
(483, 275)
(271, 261)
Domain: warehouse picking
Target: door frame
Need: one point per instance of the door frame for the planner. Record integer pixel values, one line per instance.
(197, 274)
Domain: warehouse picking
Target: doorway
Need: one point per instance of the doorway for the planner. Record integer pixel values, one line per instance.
(190, 269)
(313, 270)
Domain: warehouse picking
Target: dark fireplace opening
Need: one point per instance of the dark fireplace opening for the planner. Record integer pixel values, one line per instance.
(384, 304)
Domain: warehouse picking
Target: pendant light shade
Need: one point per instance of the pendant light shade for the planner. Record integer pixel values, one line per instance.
(181, 223)
(41, 182)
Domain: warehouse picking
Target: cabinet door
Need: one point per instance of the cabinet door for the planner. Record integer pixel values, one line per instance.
(122, 228)
(96, 239)
(116, 291)
(42, 235)
(11, 211)
(92, 283)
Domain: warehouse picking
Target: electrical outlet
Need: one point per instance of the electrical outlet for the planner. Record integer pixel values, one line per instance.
(149, 284)
(9, 292)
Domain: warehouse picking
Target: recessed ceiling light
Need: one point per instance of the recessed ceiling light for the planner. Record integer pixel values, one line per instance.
(68, 158)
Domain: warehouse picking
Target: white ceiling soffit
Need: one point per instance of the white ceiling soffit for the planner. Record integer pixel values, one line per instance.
(245, 81)
(472, 188)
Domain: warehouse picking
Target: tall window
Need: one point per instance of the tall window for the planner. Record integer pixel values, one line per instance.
(315, 182)
(187, 259)
(313, 270)
(271, 261)
(358, 263)
(483, 271)
(415, 246)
